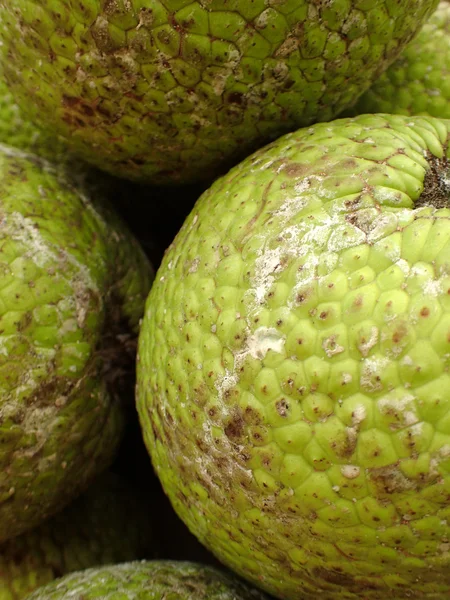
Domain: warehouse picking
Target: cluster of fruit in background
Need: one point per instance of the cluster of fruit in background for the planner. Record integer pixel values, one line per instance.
(224, 299)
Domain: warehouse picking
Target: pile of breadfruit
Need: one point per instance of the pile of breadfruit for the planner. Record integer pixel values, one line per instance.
(224, 299)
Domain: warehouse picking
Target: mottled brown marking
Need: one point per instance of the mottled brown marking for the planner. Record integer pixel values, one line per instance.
(436, 186)
(358, 301)
(296, 169)
(251, 416)
(282, 407)
(234, 430)
(399, 333)
(236, 98)
(333, 576)
(390, 480)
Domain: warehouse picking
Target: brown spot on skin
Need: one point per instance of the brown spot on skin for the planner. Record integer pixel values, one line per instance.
(333, 576)
(436, 189)
(48, 390)
(201, 445)
(25, 321)
(236, 98)
(358, 301)
(282, 407)
(251, 416)
(425, 312)
(352, 204)
(399, 334)
(347, 447)
(234, 430)
(296, 170)
(155, 431)
(390, 480)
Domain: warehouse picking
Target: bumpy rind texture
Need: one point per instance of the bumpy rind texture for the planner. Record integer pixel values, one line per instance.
(418, 83)
(149, 580)
(293, 383)
(18, 131)
(173, 90)
(109, 523)
(73, 283)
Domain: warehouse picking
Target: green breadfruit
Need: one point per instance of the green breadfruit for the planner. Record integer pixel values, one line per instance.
(72, 287)
(174, 90)
(418, 83)
(293, 380)
(149, 580)
(108, 523)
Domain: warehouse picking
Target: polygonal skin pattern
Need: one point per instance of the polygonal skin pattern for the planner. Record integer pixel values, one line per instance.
(175, 90)
(293, 383)
(149, 580)
(109, 523)
(72, 279)
(18, 131)
(418, 83)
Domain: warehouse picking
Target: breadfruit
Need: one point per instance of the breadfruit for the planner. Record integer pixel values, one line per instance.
(149, 580)
(73, 282)
(294, 356)
(173, 91)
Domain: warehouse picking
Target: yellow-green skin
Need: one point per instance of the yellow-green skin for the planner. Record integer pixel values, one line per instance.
(72, 287)
(293, 384)
(109, 523)
(173, 91)
(418, 83)
(149, 580)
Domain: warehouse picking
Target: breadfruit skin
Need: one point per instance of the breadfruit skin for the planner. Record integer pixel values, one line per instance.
(418, 82)
(150, 580)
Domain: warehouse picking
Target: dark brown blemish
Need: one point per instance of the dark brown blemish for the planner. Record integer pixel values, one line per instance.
(282, 407)
(436, 186)
(234, 429)
(333, 576)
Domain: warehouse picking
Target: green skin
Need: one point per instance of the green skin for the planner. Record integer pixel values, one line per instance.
(149, 580)
(293, 385)
(16, 130)
(174, 90)
(73, 283)
(108, 523)
(418, 83)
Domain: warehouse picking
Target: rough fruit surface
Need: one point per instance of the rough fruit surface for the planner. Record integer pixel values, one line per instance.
(173, 90)
(418, 83)
(108, 523)
(149, 580)
(16, 130)
(293, 383)
(72, 287)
